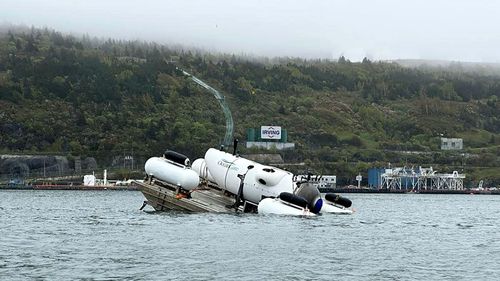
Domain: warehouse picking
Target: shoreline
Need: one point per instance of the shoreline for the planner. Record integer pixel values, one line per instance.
(403, 191)
(70, 187)
(322, 190)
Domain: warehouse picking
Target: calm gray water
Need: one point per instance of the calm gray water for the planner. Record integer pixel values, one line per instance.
(102, 235)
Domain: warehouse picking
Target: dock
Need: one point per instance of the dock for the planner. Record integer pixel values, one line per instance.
(68, 187)
(404, 191)
(359, 190)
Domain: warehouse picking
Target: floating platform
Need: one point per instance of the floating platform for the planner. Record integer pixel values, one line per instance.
(163, 196)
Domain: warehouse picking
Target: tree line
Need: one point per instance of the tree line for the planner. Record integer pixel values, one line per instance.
(85, 96)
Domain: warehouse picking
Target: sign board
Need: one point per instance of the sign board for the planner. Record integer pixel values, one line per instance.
(270, 132)
(359, 178)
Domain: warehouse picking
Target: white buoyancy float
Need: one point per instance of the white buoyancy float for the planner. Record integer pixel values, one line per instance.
(172, 172)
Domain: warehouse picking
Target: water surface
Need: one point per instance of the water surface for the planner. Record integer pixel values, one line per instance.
(102, 235)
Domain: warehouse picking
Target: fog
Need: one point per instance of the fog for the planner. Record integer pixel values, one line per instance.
(381, 30)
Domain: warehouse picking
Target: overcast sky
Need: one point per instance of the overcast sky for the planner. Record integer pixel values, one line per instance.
(385, 29)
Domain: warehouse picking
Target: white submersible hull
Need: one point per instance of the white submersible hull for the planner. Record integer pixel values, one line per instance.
(224, 182)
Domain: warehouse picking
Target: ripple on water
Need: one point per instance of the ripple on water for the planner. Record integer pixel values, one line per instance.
(98, 235)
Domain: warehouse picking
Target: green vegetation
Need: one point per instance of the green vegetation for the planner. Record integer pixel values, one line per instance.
(82, 96)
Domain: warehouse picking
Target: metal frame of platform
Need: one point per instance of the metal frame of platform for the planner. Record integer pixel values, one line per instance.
(163, 196)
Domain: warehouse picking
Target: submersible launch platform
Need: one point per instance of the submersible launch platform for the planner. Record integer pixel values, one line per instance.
(163, 196)
(223, 182)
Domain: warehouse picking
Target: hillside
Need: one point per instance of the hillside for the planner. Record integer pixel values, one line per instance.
(82, 96)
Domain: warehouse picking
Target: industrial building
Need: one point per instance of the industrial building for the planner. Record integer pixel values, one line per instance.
(452, 144)
(320, 181)
(410, 179)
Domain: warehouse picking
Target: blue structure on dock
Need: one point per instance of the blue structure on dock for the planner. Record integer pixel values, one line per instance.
(375, 177)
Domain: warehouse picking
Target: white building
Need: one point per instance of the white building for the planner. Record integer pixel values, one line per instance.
(271, 145)
(325, 181)
(452, 144)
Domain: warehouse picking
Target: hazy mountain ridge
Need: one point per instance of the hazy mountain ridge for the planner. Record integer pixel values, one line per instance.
(483, 68)
(86, 97)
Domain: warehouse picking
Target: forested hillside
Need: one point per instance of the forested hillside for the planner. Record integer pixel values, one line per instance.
(82, 96)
